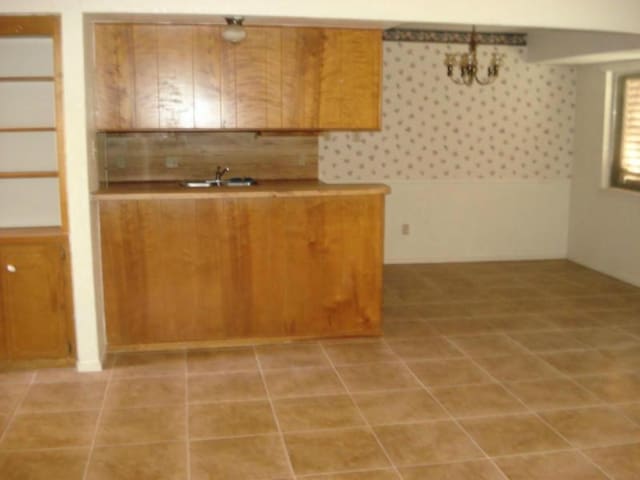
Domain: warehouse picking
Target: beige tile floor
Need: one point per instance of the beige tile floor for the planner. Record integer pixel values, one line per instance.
(514, 370)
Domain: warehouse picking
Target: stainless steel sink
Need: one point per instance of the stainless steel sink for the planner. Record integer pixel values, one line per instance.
(232, 182)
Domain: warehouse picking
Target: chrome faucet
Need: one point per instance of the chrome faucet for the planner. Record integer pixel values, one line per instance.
(219, 174)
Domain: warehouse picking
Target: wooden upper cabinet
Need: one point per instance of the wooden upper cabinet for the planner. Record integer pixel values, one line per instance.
(183, 76)
(114, 77)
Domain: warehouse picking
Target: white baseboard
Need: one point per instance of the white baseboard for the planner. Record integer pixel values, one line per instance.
(463, 259)
(89, 366)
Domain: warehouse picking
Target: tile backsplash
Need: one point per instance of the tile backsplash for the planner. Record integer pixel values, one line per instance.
(521, 127)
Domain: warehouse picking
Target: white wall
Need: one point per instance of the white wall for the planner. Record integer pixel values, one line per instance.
(557, 46)
(604, 230)
(476, 221)
(605, 15)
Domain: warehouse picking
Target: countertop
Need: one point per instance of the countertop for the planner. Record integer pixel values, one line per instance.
(267, 188)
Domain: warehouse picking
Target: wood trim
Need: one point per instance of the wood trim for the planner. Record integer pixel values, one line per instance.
(27, 79)
(267, 189)
(234, 342)
(30, 234)
(23, 25)
(42, 174)
(15, 365)
(60, 131)
(27, 129)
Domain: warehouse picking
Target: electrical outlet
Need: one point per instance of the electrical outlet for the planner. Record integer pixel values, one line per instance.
(405, 229)
(171, 162)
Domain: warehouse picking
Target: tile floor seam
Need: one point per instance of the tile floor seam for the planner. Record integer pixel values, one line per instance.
(186, 416)
(528, 409)
(36, 450)
(97, 426)
(16, 407)
(454, 419)
(348, 471)
(545, 422)
(571, 378)
(359, 410)
(283, 442)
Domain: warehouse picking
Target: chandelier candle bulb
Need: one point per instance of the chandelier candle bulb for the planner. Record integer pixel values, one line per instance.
(468, 64)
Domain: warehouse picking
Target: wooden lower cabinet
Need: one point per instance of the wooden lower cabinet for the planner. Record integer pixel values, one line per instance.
(199, 270)
(35, 305)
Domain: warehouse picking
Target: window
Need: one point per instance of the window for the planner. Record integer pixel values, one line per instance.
(626, 161)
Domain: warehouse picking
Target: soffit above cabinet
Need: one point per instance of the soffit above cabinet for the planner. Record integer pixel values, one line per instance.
(168, 77)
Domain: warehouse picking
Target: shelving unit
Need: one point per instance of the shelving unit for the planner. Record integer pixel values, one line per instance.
(35, 286)
(31, 155)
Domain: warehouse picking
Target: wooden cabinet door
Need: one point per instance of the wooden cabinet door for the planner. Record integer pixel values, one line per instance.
(207, 76)
(360, 58)
(114, 90)
(258, 93)
(303, 52)
(331, 78)
(34, 301)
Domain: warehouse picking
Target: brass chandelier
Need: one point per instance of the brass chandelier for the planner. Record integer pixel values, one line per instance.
(467, 64)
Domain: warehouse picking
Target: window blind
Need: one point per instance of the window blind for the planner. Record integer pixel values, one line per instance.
(629, 148)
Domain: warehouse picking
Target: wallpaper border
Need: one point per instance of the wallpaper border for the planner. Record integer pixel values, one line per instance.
(435, 36)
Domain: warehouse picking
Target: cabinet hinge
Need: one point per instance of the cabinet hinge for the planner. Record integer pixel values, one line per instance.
(63, 253)
(69, 348)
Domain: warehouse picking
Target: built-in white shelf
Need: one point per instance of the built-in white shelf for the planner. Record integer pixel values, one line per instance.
(29, 202)
(27, 104)
(28, 151)
(26, 57)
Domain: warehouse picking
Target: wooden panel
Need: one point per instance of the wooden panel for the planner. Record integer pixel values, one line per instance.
(29, 25)
(34, 301)
(273, 46)
(175, 76)
(145, 53)
(200, 270)
(361, 56)
(113, 79)
(302, 53)
(207, 77)
(257, 79)
(142, 156)
(251, 79)
(228, 87)
(331, 85)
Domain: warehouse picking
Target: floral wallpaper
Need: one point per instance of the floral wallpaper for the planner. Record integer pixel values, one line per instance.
(521, 127)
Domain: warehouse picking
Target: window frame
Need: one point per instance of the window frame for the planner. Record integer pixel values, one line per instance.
(616, 177)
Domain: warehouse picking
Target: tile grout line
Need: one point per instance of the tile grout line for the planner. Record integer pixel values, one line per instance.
(276, 420)
(186, 413)
(451, 416)
(533, 412)
(359, 410)
(14, 412)
(542, 419)
(98, 421)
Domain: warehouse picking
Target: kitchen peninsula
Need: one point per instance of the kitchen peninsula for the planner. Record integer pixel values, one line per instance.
(289, 258)
(284, 259)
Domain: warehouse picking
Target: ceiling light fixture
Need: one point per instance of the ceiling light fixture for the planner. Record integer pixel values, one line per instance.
(468, 65)
(234, 32)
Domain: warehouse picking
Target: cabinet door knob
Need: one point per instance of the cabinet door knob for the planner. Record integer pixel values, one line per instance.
(11, 268)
